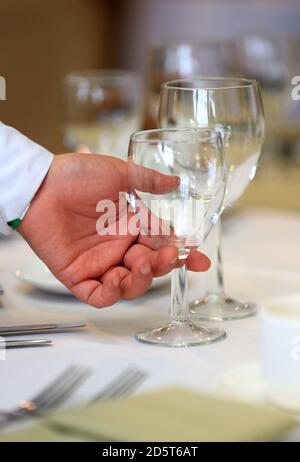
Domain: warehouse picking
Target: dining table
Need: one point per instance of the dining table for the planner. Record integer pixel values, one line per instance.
(261, 250)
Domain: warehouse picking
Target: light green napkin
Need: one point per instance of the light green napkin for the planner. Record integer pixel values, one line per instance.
(168, 415)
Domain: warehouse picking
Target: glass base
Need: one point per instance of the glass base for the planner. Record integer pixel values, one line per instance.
(181, 334)
(221, 308)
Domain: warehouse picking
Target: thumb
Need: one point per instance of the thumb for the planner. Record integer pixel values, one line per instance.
(149, 180)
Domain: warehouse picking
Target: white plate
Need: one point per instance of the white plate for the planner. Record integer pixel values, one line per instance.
(162, 281)
(244, 383)
(34, 272)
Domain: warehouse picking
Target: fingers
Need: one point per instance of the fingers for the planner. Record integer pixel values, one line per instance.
(135, 278)
(131, 283)
(96, 293)
(149, 180)
(117, 283)
(164, 260)
(143, 263)
(138, 281)
(133, 176)
(161, 261)
(197, 261)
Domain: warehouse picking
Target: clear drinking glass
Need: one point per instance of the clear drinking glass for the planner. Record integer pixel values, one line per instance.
(186, 168)
(102, 109)
(171, 60)
(232, 106)
(266, 58)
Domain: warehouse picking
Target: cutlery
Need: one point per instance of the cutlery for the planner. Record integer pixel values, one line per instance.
(123, 385)
(50, 397)
(18, 343)
(65, 385)
(39, 328)
(120, 387)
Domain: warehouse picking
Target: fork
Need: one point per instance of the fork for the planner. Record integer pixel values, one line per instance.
(50, 397)
(123, 385)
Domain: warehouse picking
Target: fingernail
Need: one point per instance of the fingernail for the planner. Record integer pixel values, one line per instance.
(172, 262)
(116, 281)
(145, 269)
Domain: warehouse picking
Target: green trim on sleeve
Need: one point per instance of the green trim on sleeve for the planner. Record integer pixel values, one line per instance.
(14, 223)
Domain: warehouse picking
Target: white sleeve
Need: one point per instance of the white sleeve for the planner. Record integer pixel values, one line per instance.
(23, 166)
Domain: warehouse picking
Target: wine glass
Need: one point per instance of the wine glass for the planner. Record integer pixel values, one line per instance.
(232, 106)
(179, 59)
(266, 58)
(102, 109)
(184, 174)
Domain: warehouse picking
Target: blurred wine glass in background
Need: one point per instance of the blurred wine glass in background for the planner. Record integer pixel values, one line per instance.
(263, 58)
(288, 128)
(266, 59)
(102, 109)
(170, 60)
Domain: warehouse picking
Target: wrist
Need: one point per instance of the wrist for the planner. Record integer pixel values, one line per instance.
(35, 215)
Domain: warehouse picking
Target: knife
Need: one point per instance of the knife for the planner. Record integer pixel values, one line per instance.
(17, 343)
(38, 328)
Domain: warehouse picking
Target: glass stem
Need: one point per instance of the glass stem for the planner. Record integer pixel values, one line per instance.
(215, 277)
(179, 311)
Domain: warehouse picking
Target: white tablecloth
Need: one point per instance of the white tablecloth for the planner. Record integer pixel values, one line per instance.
(262, 259)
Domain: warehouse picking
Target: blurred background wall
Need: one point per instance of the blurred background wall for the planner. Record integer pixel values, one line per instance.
(40, 41)
(146, 21)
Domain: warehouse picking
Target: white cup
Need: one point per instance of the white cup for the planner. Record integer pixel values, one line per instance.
(280, 344)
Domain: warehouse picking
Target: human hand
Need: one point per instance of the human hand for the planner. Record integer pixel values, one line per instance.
(60, 226)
